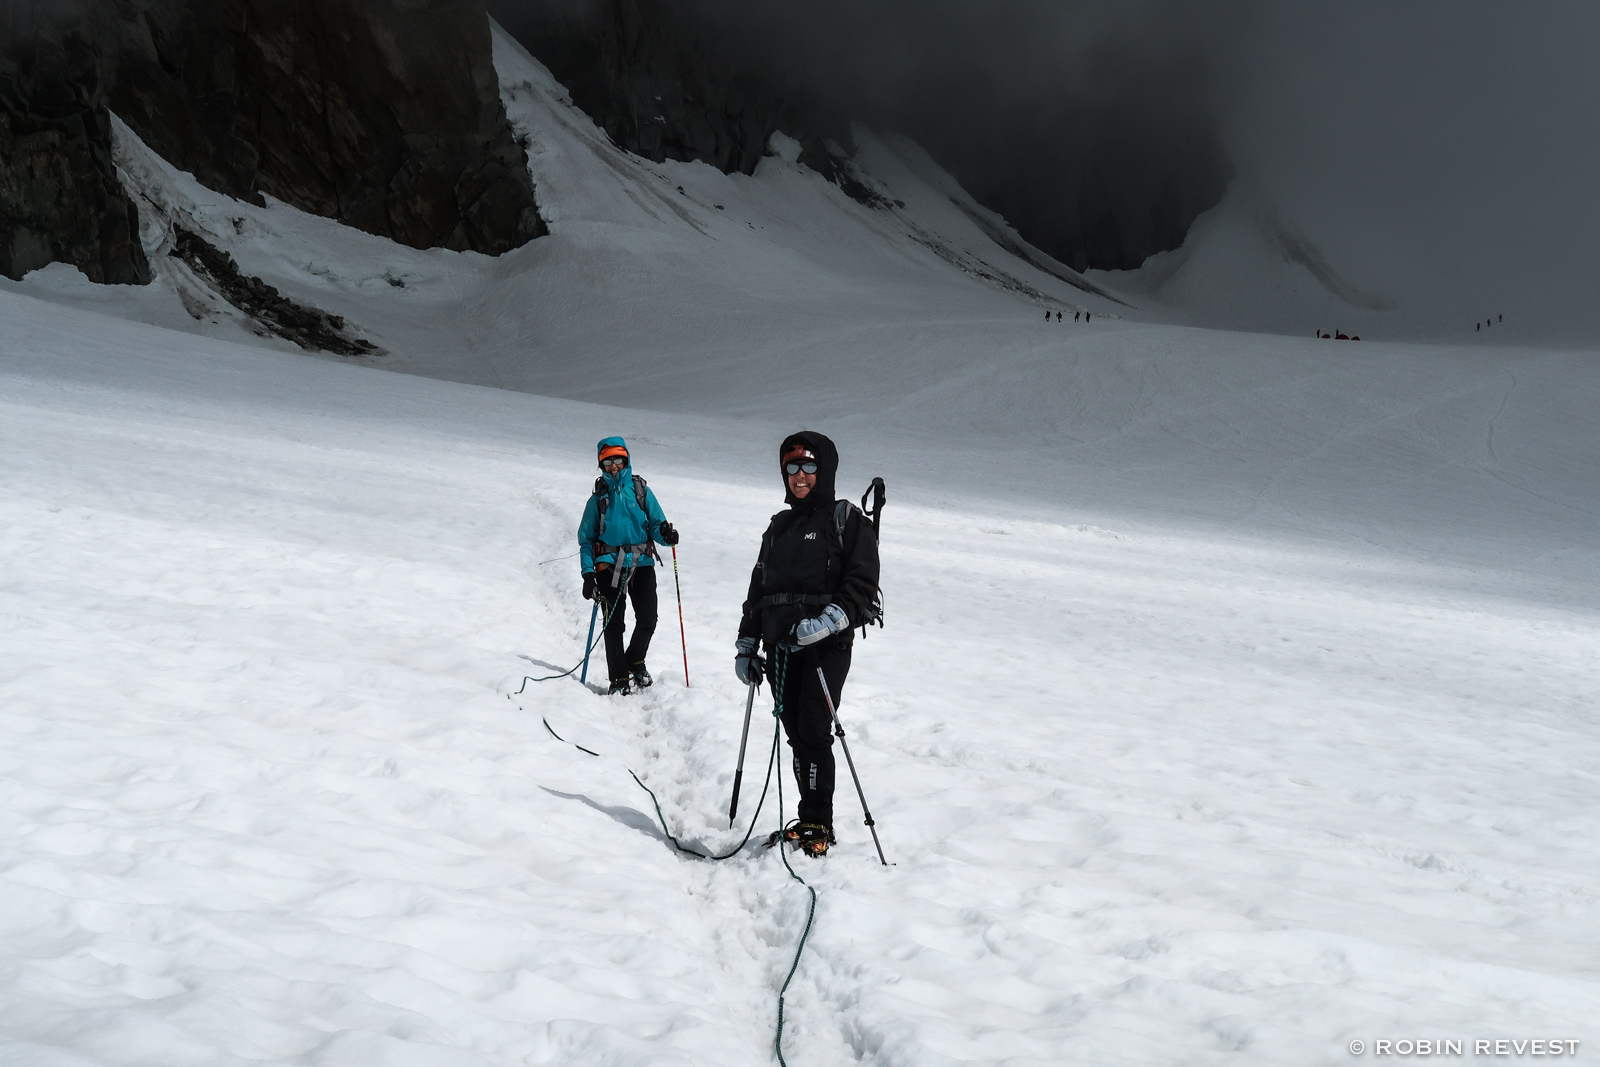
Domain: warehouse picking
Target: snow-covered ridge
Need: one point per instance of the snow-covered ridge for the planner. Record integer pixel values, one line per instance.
(632, 243)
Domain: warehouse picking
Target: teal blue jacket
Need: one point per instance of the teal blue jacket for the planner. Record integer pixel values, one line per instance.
(623, 523)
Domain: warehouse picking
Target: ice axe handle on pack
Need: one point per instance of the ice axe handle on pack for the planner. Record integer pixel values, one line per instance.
(879, 495)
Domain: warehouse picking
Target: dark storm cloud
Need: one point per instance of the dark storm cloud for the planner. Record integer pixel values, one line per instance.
(1089, 123)
(1446, 146)
(1441, 151)
(1446, 141)
(1093, 125)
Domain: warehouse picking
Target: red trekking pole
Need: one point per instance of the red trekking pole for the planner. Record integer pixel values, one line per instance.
(683, 636)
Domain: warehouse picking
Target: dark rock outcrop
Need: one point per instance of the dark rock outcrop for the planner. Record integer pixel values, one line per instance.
(383, 114)
(60, 200)
(310, 328)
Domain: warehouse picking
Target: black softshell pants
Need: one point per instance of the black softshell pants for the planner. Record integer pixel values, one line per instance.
(806, 721)
(641, 587)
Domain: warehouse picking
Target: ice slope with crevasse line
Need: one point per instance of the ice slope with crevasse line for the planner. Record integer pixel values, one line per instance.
(1237, 697)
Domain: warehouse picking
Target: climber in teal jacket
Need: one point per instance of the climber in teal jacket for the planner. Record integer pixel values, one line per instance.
(616, 542)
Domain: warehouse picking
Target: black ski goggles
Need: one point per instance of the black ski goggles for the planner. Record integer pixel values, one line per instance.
(795, 468)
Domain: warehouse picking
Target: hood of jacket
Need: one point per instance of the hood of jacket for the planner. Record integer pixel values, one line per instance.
(613, 442)
(621, 483)
(827, 467)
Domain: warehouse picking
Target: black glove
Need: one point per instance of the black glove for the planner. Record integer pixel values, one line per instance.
(588, 585)
(669, 534)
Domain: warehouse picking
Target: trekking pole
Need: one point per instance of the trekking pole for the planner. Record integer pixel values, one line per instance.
(683, 637)
(588, 645)
(838, 729)
(738, 774)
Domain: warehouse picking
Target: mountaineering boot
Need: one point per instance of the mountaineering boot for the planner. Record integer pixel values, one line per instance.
(619, 687)
(641, 676)
(811, 838)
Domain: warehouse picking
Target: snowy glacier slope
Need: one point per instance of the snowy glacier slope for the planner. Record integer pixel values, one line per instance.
(1153, 796)
(1237, 699)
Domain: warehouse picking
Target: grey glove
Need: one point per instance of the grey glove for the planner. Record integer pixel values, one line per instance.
(832, 620)
(748, 664)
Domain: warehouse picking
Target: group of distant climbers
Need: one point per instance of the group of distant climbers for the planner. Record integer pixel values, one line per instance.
(1075, 315)
(1337, 335)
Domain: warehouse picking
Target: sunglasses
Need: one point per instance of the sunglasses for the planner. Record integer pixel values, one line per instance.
(614, 461)
(796, 468)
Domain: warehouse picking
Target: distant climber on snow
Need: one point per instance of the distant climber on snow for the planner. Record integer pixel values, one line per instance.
(815, 581)
(616, 542)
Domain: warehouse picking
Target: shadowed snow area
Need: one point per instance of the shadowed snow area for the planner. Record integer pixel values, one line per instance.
(1237, 697)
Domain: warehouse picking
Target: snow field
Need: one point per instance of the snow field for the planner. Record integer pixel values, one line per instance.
(1153, 796)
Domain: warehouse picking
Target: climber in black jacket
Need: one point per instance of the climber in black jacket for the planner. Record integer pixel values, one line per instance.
(813, 584)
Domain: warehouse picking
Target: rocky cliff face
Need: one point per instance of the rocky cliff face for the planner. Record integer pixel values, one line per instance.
(384, 114)
(659, 87)
(60, 200)
(673, 79)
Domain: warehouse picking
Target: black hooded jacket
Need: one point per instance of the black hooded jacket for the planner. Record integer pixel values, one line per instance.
(803, 553)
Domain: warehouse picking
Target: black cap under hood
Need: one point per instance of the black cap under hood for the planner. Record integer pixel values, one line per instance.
(827, 467)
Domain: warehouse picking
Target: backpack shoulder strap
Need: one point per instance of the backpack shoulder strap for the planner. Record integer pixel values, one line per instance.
(841, 516)
(639, 486)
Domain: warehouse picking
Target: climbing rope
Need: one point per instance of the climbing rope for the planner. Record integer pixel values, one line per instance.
(780, 672)
(627, 576)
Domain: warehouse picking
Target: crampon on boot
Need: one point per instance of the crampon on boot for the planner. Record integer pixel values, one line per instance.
(641, 676)
(811, 838)
(619, 687)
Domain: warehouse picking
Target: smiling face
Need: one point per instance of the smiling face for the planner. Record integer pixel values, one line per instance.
(801, 483)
